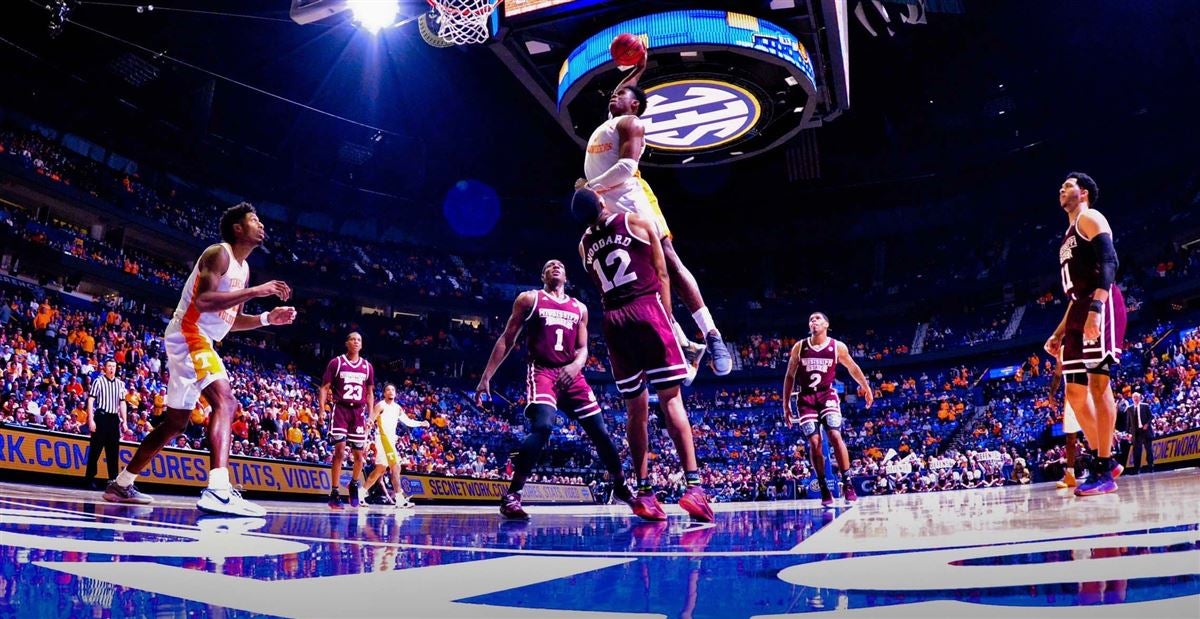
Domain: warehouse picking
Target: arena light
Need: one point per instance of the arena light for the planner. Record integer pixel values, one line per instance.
(374, 15)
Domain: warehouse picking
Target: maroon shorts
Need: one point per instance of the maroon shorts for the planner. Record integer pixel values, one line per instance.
(815, 409)
(1079, 356)
(575, 400)
(350, 425)
(642, 347)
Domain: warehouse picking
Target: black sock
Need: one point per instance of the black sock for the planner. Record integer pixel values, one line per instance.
(692, 478)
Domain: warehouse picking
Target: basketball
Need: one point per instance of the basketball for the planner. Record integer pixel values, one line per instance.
(627, 50)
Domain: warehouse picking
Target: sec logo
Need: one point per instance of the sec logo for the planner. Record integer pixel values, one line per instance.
(693, 115)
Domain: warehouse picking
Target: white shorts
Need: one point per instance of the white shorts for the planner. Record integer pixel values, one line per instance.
(1070, 423)
(192, 364)
(637, 197)
(381, 455)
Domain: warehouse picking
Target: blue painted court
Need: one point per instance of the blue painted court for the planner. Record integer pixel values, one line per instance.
(1016, 551)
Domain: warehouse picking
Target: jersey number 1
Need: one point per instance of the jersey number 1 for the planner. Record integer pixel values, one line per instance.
(622, 277)
(558, 340)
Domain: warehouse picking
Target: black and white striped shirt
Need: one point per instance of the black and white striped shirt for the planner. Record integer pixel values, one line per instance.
(108, 394)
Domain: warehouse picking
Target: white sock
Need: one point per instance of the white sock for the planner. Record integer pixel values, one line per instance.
(218, 479)
(704, 320)
(125, 479)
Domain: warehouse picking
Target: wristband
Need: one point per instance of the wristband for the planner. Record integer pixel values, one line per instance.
(265, 318)
(1097, 307)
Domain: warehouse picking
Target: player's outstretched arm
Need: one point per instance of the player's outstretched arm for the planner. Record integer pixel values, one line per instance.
(632, 78)
(521, 308)
(789, 382)
(213, 263)
(843, 354)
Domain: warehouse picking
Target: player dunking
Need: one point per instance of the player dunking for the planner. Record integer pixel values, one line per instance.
(555, 327)
(813, 403)
(611, 166)
(209, 308)
(1093, 328)
(386, 414)
(351, 381)
(624, 256)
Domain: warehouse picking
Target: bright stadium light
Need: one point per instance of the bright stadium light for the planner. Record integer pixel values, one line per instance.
(374, 15)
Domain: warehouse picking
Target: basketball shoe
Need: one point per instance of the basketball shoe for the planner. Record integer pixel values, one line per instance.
(335, 499)
(355, 498)
(848, 492)
(228, 503)
(510, 507)
(693, 353)
(826, 497)
(622, 493)
(1099, 482)
(646, 506)
(695, 503)
(722, 361)
(1068, 480)
(116, 493)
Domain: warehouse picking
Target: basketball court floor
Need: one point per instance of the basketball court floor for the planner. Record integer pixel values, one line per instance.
(1002, 552)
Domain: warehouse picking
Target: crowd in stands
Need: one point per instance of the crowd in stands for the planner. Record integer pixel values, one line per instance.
(927, 430)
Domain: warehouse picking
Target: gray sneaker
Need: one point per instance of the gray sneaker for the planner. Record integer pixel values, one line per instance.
(115, 493)
(722, 361)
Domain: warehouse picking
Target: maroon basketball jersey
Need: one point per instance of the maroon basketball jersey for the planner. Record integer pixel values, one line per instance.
(1079, 266)
(818, 367)
(551, 328)
(621, 264)
(350, 382)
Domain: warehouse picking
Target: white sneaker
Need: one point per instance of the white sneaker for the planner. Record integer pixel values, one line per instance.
(693, 353)
(228, 502)
(402, 502)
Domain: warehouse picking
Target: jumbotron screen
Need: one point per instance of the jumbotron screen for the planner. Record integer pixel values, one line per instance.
(521, 7)
(690, 28)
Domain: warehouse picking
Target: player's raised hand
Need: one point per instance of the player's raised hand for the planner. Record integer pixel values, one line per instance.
(282, 315)
(275, 287)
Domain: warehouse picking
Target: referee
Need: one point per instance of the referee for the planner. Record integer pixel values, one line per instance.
(106, 417)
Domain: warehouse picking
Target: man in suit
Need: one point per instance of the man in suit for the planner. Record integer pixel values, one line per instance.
(1137, 422)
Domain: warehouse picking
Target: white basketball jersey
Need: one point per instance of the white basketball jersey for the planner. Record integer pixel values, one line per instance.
(212, 325)
(603, 151)
(389, 416)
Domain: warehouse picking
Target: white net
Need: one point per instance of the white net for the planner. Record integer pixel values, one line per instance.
(464, 22)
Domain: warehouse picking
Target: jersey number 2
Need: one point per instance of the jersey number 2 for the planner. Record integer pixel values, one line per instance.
(816, 380)
(622, 277)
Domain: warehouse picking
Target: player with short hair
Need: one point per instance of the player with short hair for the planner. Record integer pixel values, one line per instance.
(384, 416)
(614, 152)
(814, 404)
(1093, 328)
(209, 308)
(624, 256)
(556, 336)
(350, 380)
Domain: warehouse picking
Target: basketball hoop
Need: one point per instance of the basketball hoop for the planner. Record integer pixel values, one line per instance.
(464, 22)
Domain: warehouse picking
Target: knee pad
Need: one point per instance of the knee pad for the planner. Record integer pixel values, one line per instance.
(541, 418)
